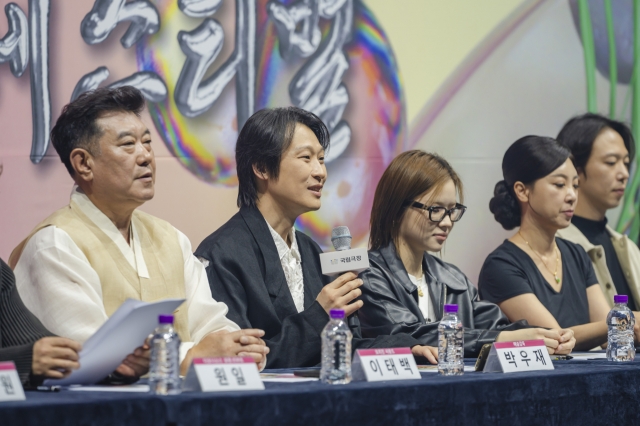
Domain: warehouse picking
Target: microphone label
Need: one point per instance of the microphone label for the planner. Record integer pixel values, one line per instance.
(338, 262)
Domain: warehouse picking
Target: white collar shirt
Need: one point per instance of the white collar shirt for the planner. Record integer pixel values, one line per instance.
(291, 264)
(132, 252)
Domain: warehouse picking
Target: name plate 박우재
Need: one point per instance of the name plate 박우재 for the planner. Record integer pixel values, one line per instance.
(223, 375)
(10, 386)
(375, 365)
(511, 357)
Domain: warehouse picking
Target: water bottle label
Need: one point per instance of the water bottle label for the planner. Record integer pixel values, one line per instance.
(223, 375)
(374, 365)
(510, 357)
(622, 353)
(10, 386)
(620, 321)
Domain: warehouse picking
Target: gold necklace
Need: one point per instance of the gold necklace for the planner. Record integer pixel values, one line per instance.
(419, 285)
(555, 274)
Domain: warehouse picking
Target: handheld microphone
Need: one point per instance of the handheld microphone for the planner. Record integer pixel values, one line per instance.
(344, 259)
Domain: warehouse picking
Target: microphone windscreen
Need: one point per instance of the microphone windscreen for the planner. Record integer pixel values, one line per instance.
(341, 238)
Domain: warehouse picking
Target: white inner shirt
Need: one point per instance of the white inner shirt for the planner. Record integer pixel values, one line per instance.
(291, 264)
(424, 302)
(132, 252)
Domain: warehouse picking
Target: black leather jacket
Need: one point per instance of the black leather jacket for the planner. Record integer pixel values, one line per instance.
(391, 302)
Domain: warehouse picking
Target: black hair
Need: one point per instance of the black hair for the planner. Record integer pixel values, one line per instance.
(579, 133)
(263, 139)
(527, 160)
(77, 127)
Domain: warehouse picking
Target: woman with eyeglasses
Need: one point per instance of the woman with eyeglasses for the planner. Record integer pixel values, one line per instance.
(404, 291)
(534, 275)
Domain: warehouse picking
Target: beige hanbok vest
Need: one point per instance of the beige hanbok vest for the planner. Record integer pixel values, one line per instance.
(626, 251)
(119, 281)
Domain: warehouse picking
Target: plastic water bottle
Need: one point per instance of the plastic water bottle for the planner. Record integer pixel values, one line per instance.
(336, 350)
(164, 370)
(620, 322)
(450, 343)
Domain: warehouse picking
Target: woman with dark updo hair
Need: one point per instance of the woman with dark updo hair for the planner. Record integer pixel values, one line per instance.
(534, 275)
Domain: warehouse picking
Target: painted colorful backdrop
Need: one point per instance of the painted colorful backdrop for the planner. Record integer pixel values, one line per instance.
(461, 78)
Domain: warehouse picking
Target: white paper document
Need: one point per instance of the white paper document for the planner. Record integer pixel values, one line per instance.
(108, 388)
(119, 336)
(434, 368)
(286, 378)
(585, 356)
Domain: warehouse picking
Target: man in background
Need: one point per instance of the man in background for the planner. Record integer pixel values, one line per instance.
(601, 150)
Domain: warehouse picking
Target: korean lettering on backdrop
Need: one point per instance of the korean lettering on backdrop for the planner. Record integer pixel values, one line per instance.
(316, 87)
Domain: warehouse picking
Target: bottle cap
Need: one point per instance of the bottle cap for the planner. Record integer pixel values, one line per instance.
(620, 298)
(450, 309)
(165, 319)
(336, 313)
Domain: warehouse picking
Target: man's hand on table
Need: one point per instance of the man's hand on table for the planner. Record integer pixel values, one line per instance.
(245, 342)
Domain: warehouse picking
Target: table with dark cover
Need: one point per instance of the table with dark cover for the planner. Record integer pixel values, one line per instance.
(84, 408)
(576, 392)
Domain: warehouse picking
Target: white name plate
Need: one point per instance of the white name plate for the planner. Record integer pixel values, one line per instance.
(223, 375)
(511, 357)
(375, 365)
(10, 386)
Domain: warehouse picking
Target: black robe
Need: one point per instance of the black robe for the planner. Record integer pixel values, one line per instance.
(244, 272)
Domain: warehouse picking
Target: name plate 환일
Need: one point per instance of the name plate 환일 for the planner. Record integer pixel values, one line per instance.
(375, 365)
(223, 374)
(10, 386)
(511, 357)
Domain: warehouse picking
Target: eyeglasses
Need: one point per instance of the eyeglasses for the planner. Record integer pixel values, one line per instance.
(437, 213)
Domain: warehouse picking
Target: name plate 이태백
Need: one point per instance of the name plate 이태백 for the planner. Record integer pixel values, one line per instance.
(375, 365)
(223, 375)
(10, 386)
(511, 357)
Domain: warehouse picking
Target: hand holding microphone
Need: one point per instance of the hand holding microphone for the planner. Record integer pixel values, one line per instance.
(340, 293)
(348, 263)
